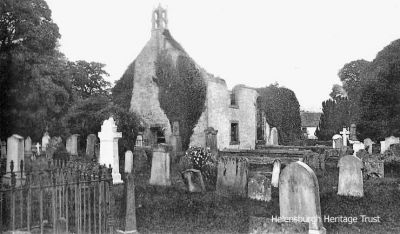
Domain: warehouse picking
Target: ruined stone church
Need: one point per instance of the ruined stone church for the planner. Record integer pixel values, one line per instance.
(231, 118)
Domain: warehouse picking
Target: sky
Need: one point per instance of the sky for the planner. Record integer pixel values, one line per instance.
(299, 44)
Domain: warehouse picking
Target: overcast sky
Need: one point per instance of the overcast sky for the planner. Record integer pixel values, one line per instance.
(299, 44)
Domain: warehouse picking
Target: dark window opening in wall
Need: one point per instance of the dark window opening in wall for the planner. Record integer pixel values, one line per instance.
(234, 133)
(233, 99)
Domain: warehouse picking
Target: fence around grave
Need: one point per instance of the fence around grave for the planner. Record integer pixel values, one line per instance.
(67, 197)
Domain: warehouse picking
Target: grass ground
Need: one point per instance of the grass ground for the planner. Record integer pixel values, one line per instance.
(173, 210)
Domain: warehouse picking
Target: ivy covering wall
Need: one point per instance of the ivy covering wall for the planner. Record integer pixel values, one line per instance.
(182, 92)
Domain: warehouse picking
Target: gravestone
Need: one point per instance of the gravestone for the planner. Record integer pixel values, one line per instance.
(72, 144)
(211, 139)
(368, 144)
(353, 132)
(350, 176)
(345, 133)
(128, 161)
(299, 195)
(232, 176)
(267, 132)
(160, 165)
(38, 147)
(28, 146)
(45, 141)
(140, 160)
(91, 141)
(357, 146)
(276, 170)
(3, 146)
(15, 152)
(130, 207)
(139, 140)
(259, 187)
(55, 143)
(337, 141)
(109, 148)
(274, 137)
(175, 139)
(385, 145)
(194, 180)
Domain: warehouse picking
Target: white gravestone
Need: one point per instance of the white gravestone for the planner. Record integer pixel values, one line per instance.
(72, 144)
(350, 176)
(45, 141)
(37, 148)
(385, 145)
(128, 161)
(357, 146)
(109, 148)
(368, 144)
(15, 151)
(337, 141)
(160, 165)
(274, 136)
(28, 146)
(345, 133)
(299, 195)
(275, 173)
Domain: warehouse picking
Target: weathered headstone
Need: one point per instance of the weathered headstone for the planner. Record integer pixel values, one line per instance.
(45, 141)
(274, 136)
(350, 176)
(175, 139)
(368, 144)
(139, 160)
(353, 132)
(28, 146)
(299, 195)
(139, 140)
(91, 141)
(345, 133)
(38, 148)
(160, 166)
(337, 141)
(259, 187)
(385, 145)
(232, 176)
(211, 139)
(15, 151)
(72, 144)
(357, 146)
(276, 170)
(109, 148)
(194, 180)
(128, 161)
(130, 209)
(54, 144)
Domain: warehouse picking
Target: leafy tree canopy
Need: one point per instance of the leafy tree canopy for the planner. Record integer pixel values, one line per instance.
(283, 111)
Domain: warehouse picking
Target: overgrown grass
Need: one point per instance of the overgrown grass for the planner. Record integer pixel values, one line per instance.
(173, 210)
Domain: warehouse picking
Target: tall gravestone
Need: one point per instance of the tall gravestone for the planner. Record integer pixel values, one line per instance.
(109, 148)
(276, 170)
(128, 161)
(274, 137)
(299, 195)
(160, 165)
(15, 151)
(368, 144)
(337, 141)
(72, 144)
(353, 132)
(232, 176)
(91, 142)
(28, 146)
(175, 139)
(45, 141)
(357, 146)
(350, 176)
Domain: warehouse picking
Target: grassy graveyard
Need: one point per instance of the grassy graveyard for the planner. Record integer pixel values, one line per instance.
(173, 210)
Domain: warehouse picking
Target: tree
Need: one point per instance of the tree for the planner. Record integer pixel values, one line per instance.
(182, 93)
(282, 111)
(88, 78)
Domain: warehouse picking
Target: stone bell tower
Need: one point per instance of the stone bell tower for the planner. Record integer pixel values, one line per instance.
(159, 20)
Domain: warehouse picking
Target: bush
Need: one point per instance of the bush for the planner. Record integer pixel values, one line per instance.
(200, 159)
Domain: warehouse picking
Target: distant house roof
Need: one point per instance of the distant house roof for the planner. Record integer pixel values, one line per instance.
(310, 119)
